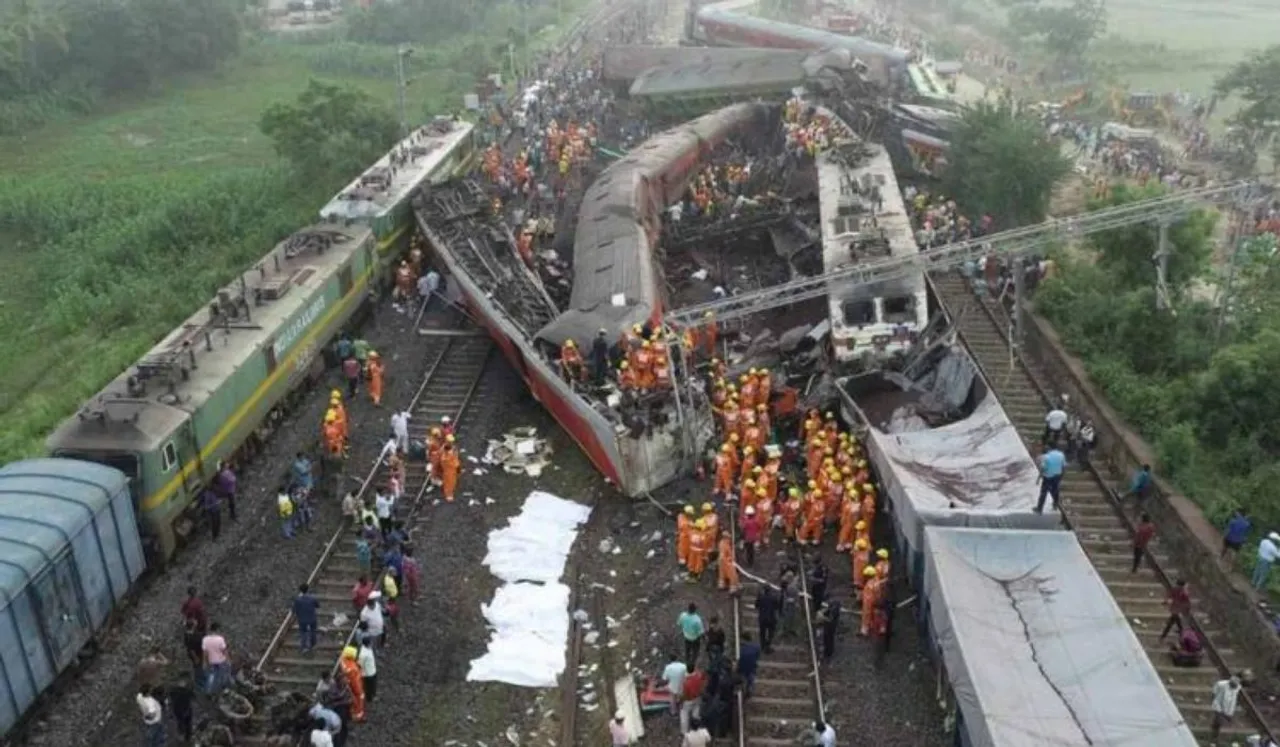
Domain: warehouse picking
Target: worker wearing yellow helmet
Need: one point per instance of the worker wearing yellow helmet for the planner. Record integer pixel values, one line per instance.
(882, 563)
(684, 529)
(699, 548)
(861, 560)
(349, 671)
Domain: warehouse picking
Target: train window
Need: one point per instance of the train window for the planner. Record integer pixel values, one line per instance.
(899, 309)
(168, 457)
(858, 313)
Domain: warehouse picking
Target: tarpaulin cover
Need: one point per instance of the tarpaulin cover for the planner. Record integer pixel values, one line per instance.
(1037, 651)
(529, 616)
(978, 464)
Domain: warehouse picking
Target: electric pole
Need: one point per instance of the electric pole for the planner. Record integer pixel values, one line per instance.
(403, 53)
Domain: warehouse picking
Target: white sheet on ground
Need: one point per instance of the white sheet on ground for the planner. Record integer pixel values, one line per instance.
(529, 615)
(978, 464)
(1037, 650)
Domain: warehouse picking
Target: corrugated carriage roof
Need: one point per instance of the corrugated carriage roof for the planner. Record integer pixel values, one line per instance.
(44, 503)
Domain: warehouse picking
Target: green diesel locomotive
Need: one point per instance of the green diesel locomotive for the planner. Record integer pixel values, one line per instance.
(197, 397)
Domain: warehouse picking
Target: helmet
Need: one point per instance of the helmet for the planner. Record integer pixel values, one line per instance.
(757, 470)
(335, 400)
(761, 492)
(336, 393)
(869, 571)
(830, 415)
(868, 487)
(710, 315)
(882, 553)
(752, 372)
(623, 366)
(749, 481)
(742, 379)
(374, 354)
(747, 450)
(813, 484)
(715, 361)
(793, 491)
(860, 525)
(646, 344)
(761, 408)
(726, 448)
(846, 472)
(445, 419)
(751, 511)
(707, 507)
(700, 523)
(449, 438)
(349, 652)
(435, 431)
(636, 328)
(861, 544)
(733, 437)
(330, 416)
(689, 510)
(569, 343)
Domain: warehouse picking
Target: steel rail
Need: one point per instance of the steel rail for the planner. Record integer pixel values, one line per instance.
(343, 527)
(1118, 506)
(819, 704)
(741, 725)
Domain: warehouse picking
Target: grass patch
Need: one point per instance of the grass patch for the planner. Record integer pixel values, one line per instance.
(116, 227)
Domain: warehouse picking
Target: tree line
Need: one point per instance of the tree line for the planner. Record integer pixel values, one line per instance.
(78, 51)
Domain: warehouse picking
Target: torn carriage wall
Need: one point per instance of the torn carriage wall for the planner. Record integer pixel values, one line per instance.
(974, 472)
(1036, 650)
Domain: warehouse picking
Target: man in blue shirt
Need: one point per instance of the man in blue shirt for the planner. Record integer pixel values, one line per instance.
(691, 630)
(1139, 486)
(305, 607)
(1052, 464)
(1237, 532)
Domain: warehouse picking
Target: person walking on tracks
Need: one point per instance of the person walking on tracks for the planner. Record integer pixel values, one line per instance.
(748, 663)
(374, 371)
(450, 465)
(1226, 693)
(1268, 552)
(768, 604)
(355, 683)
(673, 675)
(152, 717)
(1142, 536)
(1179, 603)
(692, 630)
(1052, 464)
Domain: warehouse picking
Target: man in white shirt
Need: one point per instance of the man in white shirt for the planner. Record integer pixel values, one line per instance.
(1054, 424)
(697, 736)
(383, 505)
(1268, 553)
(1225, 694)
(674, 675)
(400, 427)
(152, 717)
(371, 616)
(368, 671)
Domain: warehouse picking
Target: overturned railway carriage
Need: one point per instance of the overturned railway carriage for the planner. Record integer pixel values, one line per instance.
(204, 390)
(724, 24)
(617, 283)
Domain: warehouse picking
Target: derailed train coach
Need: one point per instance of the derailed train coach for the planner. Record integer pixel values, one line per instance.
(617, 283)
(69, 554)
(725, 24)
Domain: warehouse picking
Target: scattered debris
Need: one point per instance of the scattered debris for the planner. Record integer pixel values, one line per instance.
(519, 451)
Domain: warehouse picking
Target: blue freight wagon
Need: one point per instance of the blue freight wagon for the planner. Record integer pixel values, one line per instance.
(69, 553)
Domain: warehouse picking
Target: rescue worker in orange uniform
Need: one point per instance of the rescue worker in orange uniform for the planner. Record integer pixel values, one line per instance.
(435, 448)
(627, 380)
(811, 528)
(810, 427)
(831, 427)
(335, 404)
(731, 417)
(699, 547)
(763, 422)
(861, 549)
(688, 346)
(813, 457)
(684, 526)
(748, 462)
(752, 436)
(747, 498)
(872, 588)
(728, 568)
(747, 390)
(835, 496)
(572, 367)
(710, 523)
(792, 509)
(449, 467)
(355, 681)
(764, 508)
(710, 333)
(850, 514)
(374, 371)
(332, 434)
(869, 505)
(724, 472)
(772, 472)
(719, 369)
(882, 563)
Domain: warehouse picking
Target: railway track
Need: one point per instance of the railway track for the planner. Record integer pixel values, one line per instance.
(454, 366)
(788, 689)
(1091, 510)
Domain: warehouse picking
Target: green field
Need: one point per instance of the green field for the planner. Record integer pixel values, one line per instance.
(114, 228)
(1203, 39)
